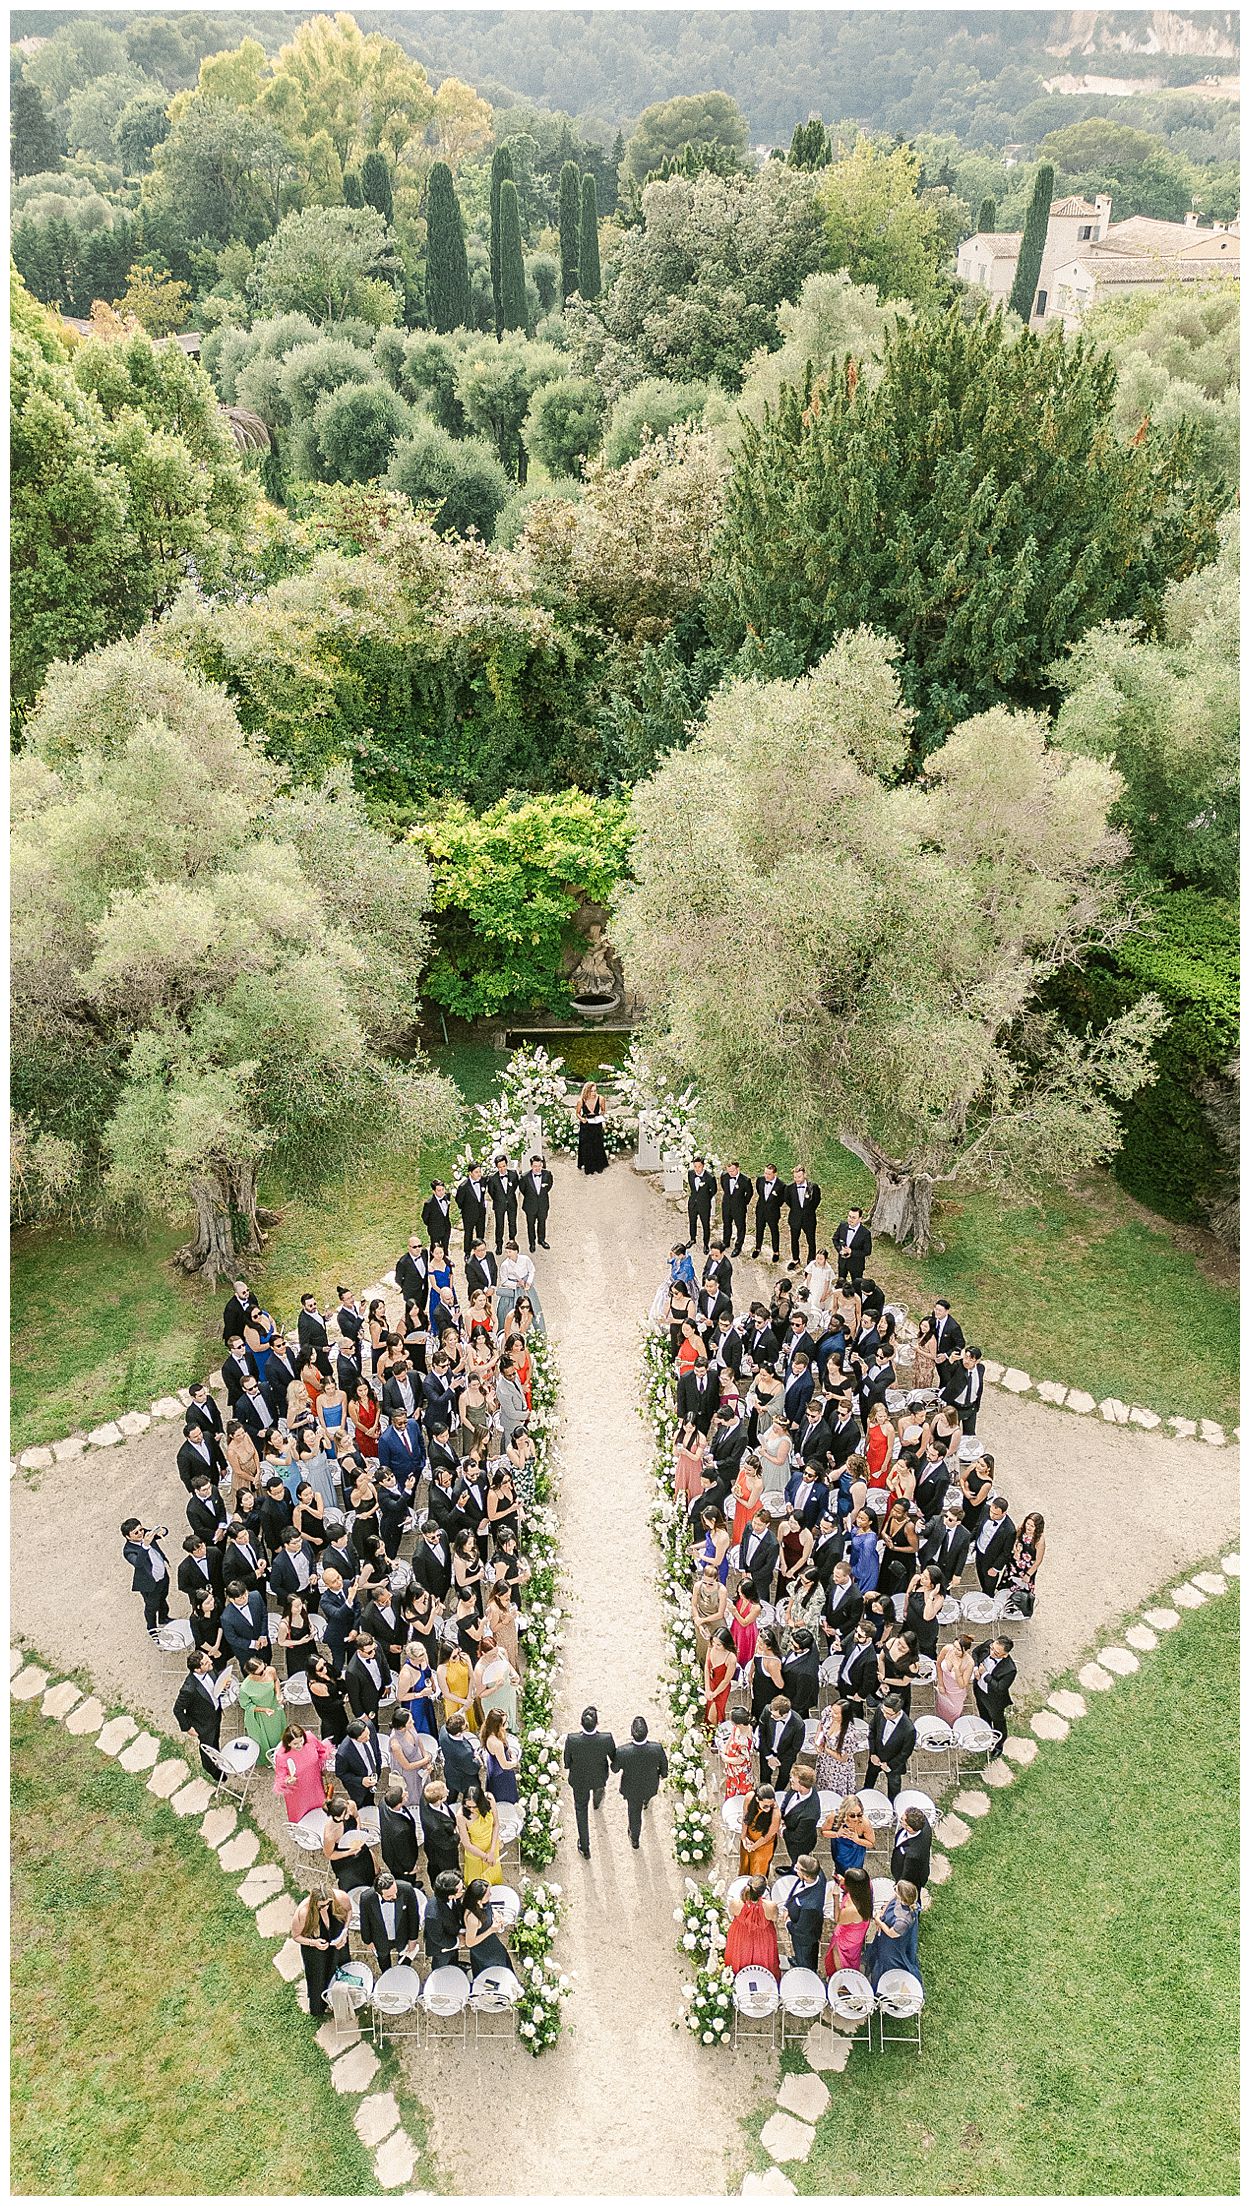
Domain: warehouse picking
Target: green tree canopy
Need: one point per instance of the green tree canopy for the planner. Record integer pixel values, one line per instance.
(907, 1023)
(495, 384)
(459, 480)
(511, 307)
(1033, 244)
(375, 185)
(224, 963)
(142, 125)
(877, 226)
(34, 145)
(357, 428)
(1139, 170)
(564, 422)
(1177, 357)
(501, 168)
(589, 276)
(668, 126)
(446, 265)
(570, 228)
(330, 263)
(651, 408)
(983, 545)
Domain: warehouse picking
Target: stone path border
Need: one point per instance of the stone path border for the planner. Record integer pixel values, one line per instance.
(235, 1844)
(789, 2134)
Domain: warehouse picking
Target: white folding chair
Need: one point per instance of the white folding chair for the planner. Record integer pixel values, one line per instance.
(236, 1765)
(505, 1906)
(974, 1738)
(935, 1750)
(852, 1999)
(445, 2003)
(511, 1817)
(756, 1999)
(494, 1994)
(397, 2003)
(900, 1996)
(306, 1837)
(921, 1800)
(802, 2000)
(175, 1637)
(295, 1692)
(731, 1814)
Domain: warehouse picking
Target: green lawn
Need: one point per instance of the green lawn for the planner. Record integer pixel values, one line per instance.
(1081, 1967)
(154, 2049)
(1087, 1288)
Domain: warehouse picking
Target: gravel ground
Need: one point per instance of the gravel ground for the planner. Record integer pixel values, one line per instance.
(626, 2105)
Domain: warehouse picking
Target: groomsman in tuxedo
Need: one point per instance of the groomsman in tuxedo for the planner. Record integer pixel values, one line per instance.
(535, 1202)
(255, 1409)
(436, 1218)
(358, 1762)
(642, 1762)
(805, 1913)
(199, 1572)
(698, 1393)
(757, 1558)
(701, 1188)
(852, 1245)
(728, 1441)
(482, 1269)
(401, 1832)
(844, 1603)
(845, 1432)
(780, 1741)
(366, 1678)
(712, 1304)
(238, 1365)
(203, 1411)
(589, 1757)
(946, 1542)
(735, 1201)
(994, 1546)
(719, 1268)
(800, 1812)
(964, 1388)
(859, 1670)
(198, 1458)
(913, 1849)
(412, 1277)
(196, 1708)
(390, 1921)
(802, 1200)
(891, 1744)
(314, 1338)
(992, 1680)
(769, 1195)
(235, 1315)
(948, 1340)
(503, 1186)
(471, 1203)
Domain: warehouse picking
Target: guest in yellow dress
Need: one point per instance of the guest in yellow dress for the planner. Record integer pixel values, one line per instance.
(478, 1826)
(455, 1683)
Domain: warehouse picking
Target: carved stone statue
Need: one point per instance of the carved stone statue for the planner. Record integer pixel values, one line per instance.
(593, 980)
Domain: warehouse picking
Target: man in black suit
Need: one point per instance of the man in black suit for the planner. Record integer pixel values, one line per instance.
(366, 1678)
(813, 1438)
(536, 1202)
(642, 1763)
(431, 1561)
(802, 1200)
(992, 1680)
(735, 1201)
(589, 1758)
(769, 1195)
(412, 1276)
(196, 1708)
(439, 1836)
(728, 1439)
(698, 1392)
(946, 1542)
(948, 1339)
(202, 1410)
(757, 1558)
(392, 1514)
(829, 1546)
(255, 1410)
(964, 1388)
(436, 1218)
(844, 1605)
(382, 1621)
(891, 1744)
(800, 1812)
(245, 1623)
(808, 1496)
(805, 1913)
(800, 1386)
(913, 1849)
(358, 1762)
(237, 1365)
(994, 1546)
(293, 1569)
(503, 1186)
(859, 1669)
(390, 1921)
(150, 1571)
(845, 1431)
(781, 1739)
(208, 1517)
(312, 1331)
(700, 1192)
(444, 1917)
(340, 1614)
(461, 1767)
(236, 1311)
(274, 1514)
(852, 1245)
(198, 1458)
(281, 1373)
(719, 1268)
(711, 1306)
(471, 1203)
(197, 1572)
(482, 1269)
(401, 1390)
(400, 1827)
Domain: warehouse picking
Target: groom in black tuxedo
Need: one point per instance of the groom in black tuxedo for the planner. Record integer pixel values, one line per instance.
(589, 1757)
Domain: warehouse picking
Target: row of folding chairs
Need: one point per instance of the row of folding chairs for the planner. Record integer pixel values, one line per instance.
(763, 2006)
(400, 2004)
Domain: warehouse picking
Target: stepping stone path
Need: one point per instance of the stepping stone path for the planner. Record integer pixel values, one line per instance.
(1164, 1620)
(1187, 1597)
(805, 2096)
(356, 2070)
(1209, 1581)
(16, 1659)
(88, 1716)
(1020, 1750)
(166, 1778)
(821, 2049)
(59, 1699)
(167, 1407)
(116, 1734)
(105, 1436)
(1212, 1433)
(1095, 1679)
(240, 1852)
(1016, 1382)
(289, 1963)
(1118, 1659)
(29, 1683)
(1232, 1564)
(772, 2185)
(1080, 1402)
(998, 1776)
(141, 1754)
(1184, 1428)
(37, 1459)
(974, 1804)
(785, 2139)
(939, 1869)
(993, 1371)
(217, 1826)
(260, 1884)
(1141, 1637)
(1048, 1725)
(375, 2118)
(134, 1422)
(1070, 1705)
(1051, 1391)
(1146, 1418)
(273, 1920)
(194, 1798)
(334, 2040)
(952, 1832)
(68, 1451)
(1113, 1412)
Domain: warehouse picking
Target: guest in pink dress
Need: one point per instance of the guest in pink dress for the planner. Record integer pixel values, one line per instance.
(744, 1618)
(954, 1676)
(846, 1947)
(688, 1454)
(298, 1764)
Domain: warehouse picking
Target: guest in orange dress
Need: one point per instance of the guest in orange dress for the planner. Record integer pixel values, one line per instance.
(748, 1493)
(761, 1828)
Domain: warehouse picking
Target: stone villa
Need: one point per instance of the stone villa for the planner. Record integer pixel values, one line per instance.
(1089, 257)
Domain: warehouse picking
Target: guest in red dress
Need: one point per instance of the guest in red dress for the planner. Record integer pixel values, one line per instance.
(366, 1417)
(752, 1939)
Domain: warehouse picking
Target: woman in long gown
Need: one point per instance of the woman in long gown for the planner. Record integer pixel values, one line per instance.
(495, 1682)
(592, 1155)
(708, 1607)
(455, 1683)
(761, 1828)
(849, 1833)
(413, 1754)
(954, 1678)
(346, 1847)
(296, 1637)
(503, 1759)
(478, 1828)
(879, 1444)
(297, 1772)
(924, 1364)
(752, 1938)
(896, 1935)
(851, 1923)
(365, 1415)
(748, 1495)
(689, 1449)
(865, 1553)
(737, 1756)
(774, 1453)
(744, 1619)
(486, 1948)
(264, 1718)
(321, 1927)
(502, 1619)
(328, 1699)
(718, 1675)
(835, 1760)
(415, 1689)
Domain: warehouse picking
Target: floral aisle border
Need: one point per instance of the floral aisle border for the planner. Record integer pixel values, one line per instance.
(540, 1779)
(693, 1829)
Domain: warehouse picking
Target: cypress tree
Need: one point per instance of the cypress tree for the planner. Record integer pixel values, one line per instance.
(588, 258)
(446, 261)
(570, 226)
(351, 189)
(1032, 244)
(511, 258)
(988, 216)
(375, 185)
(33, 142)
(500, 170)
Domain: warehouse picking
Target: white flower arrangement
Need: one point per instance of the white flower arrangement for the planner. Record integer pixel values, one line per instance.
(693, 1827)
(671, 1118)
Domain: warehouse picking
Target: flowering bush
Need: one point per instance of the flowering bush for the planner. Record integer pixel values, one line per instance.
(539, 2009)
(709, 2005)
(694, 1835)
(672, 1118)
(541, 1775)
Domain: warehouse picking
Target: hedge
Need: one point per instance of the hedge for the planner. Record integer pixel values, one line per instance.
(1186, 952)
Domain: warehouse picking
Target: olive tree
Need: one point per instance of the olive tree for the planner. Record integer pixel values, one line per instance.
(870, 952)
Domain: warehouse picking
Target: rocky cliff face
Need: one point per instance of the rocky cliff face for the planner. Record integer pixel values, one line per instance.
(1209, 35)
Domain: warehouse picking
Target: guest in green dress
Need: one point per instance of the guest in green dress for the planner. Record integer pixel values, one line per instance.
(264, 1718)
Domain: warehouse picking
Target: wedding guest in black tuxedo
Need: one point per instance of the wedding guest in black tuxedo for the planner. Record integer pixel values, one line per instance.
(198, 1457)
(800, 1812)
(589, 1758)
(698, 1394)
(700, 1193)
(412, 1276)
(197, 1708)
(444, 1918)
(994, 1545)
(245, 1622)
(735, 1201)
(471, 1203)
(891, 1744)
(436, 1218)
(852, 1245)
(439, 1835)
(992, 1680)
(805, 1912)
(536, 1202)
(503, 1186)
(235, 1316)
(769, 1196)
(198, 1572)
(400, 1826)
(964, 1388)
(913, 1849)
(757, 1559)
(780, 1741)
(367, 1677)
(312, 1331)
(150, 1571)
(948, 1339)
(390, 1920)
(482, 1269)
(802, 1200)
(642, 1763)
(358, 1762)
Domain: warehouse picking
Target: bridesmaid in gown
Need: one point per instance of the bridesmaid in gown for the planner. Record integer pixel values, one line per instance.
(846, 1947)
(688, 1453)
(592, 1153)
(718, 1675)
(954, 1677)
(752, 1938)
